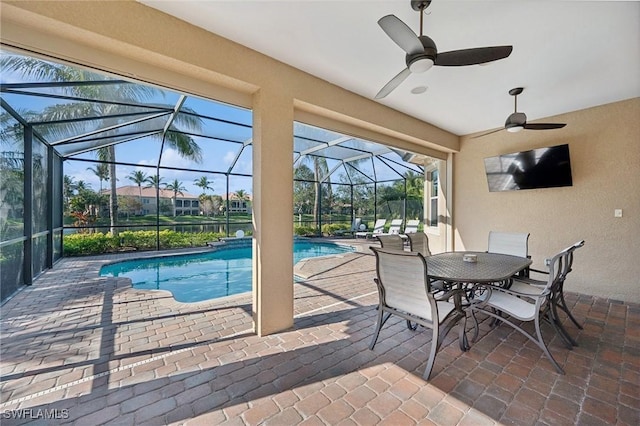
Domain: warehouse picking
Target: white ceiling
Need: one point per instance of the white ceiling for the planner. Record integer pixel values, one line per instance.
(568, 55)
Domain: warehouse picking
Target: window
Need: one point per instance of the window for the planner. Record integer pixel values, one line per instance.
(433, 198)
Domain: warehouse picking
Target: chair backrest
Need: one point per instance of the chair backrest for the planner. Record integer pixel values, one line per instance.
(559, 266)
(512, 243)
(396, 224)
(419, 242)
(570, 250)
(403, 282)
(391, 242)
(378, 227)
(412, 226)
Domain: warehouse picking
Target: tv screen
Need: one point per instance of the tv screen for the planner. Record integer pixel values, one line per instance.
(538, 168)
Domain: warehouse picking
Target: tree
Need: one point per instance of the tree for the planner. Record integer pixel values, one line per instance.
(177, 188)
(125, 96)
(68, 188)
(138, 177)
(102, 172)
(203, 183)
(154, 181)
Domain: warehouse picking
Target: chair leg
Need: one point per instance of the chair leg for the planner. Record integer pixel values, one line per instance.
(538, 341)
(554, 319)
(435, 343)
(411, 326)
(475, 325)
(379, 325)
(543, 346)
(563, 306)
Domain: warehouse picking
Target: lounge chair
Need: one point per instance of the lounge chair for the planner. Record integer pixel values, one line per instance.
(378, 228)
(355, 227)
(412, 226)
(396, 226)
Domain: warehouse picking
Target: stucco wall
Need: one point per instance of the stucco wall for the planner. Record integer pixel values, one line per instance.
(604, 144)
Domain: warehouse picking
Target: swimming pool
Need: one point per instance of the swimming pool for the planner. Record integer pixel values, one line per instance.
(208, 275)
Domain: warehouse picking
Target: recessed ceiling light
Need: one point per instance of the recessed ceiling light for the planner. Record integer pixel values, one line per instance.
(418, 90)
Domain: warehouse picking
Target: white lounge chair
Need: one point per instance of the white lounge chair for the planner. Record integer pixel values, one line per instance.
(378, 228)
(355, 227)
(412, 226)
(396, 226)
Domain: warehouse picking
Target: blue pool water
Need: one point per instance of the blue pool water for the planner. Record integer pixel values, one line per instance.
(204, 276)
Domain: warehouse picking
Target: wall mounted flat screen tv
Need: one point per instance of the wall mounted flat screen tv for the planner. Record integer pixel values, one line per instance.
(538, 168)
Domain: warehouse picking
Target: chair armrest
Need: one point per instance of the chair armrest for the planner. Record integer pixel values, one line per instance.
(491, 289)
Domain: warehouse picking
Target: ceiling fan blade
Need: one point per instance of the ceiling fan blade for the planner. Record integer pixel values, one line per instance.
(401, 34)
(480, 55)
(395, 82)
(544, 126)
(488, 133)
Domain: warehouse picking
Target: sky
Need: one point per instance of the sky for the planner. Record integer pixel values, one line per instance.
(218, 154)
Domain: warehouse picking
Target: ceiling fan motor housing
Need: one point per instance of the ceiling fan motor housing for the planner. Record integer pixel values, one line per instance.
(515, 122)
(422, 61)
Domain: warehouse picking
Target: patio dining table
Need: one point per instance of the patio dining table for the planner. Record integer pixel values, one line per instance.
(489, 268)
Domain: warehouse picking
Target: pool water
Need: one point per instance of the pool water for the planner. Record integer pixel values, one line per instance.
(204, 276)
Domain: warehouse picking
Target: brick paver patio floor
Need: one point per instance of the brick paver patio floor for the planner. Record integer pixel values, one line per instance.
(91, 350)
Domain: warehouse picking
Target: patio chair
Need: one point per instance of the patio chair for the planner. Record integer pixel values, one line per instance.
(412, 226)
(514, 244)
(419, 242)
(404, 290)
(391, 241)
(556, 296)
(528, 303)
(378, 228)
(355, 226)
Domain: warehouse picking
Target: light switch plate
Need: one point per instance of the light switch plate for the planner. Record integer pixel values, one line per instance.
(617, 213)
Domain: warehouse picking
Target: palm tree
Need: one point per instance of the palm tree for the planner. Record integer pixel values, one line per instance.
(106, 115)
(138, 177)
(177, 188)
(203, 183)
(154, 181)
(102, 172)
(68, 187)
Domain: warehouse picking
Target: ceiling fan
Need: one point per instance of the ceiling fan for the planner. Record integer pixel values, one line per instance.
(422, 52)
(518, 120)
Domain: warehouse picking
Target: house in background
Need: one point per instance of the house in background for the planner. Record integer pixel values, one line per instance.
(143, 201)
(236, 204)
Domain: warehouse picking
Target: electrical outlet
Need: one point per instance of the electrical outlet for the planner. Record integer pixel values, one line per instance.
(617, 213)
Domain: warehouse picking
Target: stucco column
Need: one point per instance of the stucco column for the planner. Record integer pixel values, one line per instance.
(272, 212)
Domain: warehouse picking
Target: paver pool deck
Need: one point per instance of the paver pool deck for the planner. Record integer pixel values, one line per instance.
(83, 349)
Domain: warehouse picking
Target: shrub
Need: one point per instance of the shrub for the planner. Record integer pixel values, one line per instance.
(330, 229)
(304, 231)
(83, 244)
(98, 243)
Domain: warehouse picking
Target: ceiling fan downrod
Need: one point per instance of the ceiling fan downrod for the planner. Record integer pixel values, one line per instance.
(420, 6)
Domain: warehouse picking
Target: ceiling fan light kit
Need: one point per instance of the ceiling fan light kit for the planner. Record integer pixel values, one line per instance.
(422, 53)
